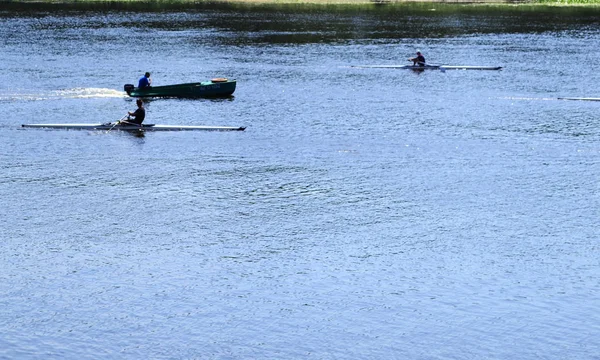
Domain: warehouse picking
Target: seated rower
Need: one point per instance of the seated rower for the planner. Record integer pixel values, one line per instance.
(419, 59)
(138, 115)
(145, 81)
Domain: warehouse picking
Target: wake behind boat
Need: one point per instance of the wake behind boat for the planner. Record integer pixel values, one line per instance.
(131, 127)
(430, 67)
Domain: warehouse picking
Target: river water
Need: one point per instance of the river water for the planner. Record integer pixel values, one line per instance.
(363, 213)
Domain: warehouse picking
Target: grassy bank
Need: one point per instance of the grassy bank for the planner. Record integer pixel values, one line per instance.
(334, 2)
(383, 2)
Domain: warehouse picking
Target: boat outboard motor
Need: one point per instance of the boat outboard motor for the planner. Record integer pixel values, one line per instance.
(128, 88)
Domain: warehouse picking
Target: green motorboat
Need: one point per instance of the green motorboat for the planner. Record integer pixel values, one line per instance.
(219, 87)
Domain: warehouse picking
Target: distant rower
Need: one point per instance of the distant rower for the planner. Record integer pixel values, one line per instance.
(419, 59)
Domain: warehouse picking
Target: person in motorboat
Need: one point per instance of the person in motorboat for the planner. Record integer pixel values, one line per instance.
(419, 59)
(137, 117)
(145, 81)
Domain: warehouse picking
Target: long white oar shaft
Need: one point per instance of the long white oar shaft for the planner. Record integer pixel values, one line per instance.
(117, 123)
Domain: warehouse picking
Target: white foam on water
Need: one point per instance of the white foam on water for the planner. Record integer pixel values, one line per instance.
(75, 93)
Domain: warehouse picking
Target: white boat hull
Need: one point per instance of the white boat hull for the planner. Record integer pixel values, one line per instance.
(430, 67)
(579, 98)
(144, 127)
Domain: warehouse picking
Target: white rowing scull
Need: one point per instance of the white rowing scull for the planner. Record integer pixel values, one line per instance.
(130, 127)
(430, 67)
(579, 98)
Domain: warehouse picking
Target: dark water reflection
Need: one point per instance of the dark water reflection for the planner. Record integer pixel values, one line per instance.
(310, 23)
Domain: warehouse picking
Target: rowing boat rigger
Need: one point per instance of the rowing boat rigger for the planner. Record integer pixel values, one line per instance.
(130, 127)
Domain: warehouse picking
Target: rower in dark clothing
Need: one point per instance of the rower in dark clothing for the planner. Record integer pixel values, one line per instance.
(419, 59)
(138, 115)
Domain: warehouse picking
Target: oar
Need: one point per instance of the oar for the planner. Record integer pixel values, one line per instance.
(425, 64)
(117, 122)
(438, 66)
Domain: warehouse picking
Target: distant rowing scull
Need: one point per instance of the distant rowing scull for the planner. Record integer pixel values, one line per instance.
(144, 127)
(429, 67)
(579, 98)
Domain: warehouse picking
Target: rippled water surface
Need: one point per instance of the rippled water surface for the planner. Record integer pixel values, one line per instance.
(363, 213)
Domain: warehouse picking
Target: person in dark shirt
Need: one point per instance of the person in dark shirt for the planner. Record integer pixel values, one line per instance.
(138, 115)
(419, 59)
(145, 81)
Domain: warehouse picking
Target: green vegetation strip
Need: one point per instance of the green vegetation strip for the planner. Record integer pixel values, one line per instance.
(334, 3)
